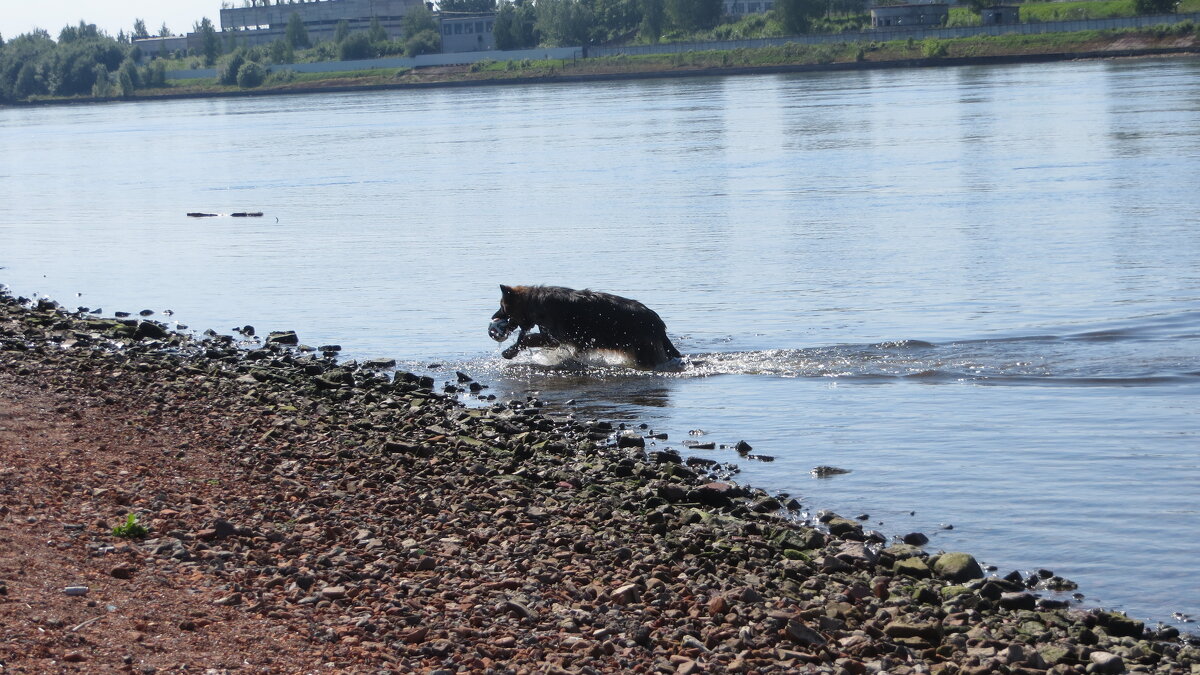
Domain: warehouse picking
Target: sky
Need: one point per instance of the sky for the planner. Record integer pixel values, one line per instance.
(111, 16)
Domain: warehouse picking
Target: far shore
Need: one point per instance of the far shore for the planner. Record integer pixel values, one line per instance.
(886, 56)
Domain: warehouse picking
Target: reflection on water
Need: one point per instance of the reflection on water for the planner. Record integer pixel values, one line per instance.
(975, 288)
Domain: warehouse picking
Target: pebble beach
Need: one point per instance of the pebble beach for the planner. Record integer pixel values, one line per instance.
(172, 502)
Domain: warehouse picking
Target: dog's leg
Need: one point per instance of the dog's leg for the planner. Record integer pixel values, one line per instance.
(528, 341)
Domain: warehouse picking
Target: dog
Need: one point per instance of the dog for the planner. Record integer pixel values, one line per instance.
(581, 321)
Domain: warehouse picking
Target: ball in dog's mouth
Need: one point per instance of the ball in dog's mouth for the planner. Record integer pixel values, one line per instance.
(500, 329)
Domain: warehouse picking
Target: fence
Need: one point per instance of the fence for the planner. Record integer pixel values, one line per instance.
(904, 34)
(677, 47)
(453, 59)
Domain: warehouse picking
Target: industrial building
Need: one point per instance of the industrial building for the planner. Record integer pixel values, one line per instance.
(265, 23)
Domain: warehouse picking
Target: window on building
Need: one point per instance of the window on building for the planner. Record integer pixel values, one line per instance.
(458, 29)
(448, 29)
(470, 29)
(490, 26)
(478, 26)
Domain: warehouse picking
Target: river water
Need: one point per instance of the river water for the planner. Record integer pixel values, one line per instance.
(977, 289)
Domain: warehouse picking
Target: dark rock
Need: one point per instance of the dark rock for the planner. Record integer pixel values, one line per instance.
(742, 447)
(285, 337)
(803, 635)
(1018, 601)
(915, 539)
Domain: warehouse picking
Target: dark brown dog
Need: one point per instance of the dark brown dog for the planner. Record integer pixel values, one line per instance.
(581, 320)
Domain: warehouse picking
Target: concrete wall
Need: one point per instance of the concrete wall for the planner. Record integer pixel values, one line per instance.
(467, 33)
(324, 12)
(162, 46)
(738, 8)
(899, 16)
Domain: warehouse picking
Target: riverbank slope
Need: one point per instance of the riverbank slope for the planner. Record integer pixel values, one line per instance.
(792, 58)
(306, 513)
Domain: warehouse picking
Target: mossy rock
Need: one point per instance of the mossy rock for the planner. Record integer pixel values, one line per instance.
(912, 567)
(957, 567)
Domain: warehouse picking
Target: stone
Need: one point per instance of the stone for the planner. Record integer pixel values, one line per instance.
(1018, 601)
(122, 571)
(803, 635)
(912, 567)
(930, 632)
(625, 594)
(630, 439)
(957, 567)
(1120, 625)
(283, 337)
(1106, 663)
(333, 592)
(915, 539)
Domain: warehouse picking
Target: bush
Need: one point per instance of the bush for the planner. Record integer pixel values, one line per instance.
(355, 46)
(425, 42)
(933, 49)
(250, 75)
(228, 67)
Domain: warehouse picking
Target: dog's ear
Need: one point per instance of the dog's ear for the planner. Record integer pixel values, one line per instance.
(506, 291)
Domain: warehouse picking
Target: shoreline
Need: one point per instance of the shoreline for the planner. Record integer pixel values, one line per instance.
(673, 73)
(305, 511)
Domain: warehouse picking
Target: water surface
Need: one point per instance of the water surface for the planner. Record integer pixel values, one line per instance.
(975, 288)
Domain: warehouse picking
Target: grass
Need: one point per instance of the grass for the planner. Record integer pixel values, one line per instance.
(131, 528)
(791, 54)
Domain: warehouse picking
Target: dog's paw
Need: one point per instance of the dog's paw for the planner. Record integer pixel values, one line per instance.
(511, 352)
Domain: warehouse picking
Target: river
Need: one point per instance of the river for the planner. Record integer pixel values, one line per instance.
(977, 289)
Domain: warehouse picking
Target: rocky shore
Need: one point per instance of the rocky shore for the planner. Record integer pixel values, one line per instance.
(297, 513)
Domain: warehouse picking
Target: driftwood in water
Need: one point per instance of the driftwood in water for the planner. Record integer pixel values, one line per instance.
(250, 214)
(202, 215)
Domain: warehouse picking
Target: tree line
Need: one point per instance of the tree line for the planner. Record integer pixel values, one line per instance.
(83, 61)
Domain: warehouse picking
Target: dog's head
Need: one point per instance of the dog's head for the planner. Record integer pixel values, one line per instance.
(511, 314)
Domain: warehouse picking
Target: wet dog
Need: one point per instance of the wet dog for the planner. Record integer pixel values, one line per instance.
(581, 321)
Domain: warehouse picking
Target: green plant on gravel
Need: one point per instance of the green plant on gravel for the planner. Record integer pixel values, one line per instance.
(131, 528)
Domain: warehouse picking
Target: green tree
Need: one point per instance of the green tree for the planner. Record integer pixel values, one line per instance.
(797, 15)
(376, 31)
(694, 15)
(125, 83)
(139, 30)
(163, 31)
(84, 31)
(102, 87)
(281, 52)
(614, 20)
(297, 34)
(1155, 6)
(129, 70)
(154, 74)
(210, 42)
(564, 22)
(418, 19)
(515, 26)
(654, 18)
(341, 32)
